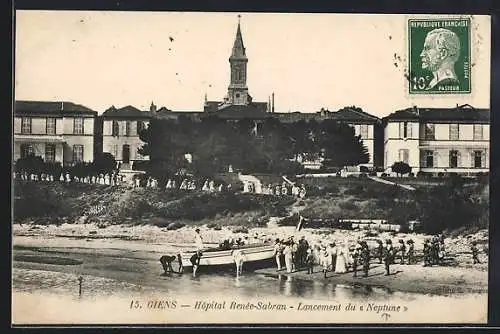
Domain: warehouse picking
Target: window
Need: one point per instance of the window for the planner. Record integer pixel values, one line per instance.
(50, 152)
(364, 131)
(77, 153)
(404, 130)
(115, 151)
(26, 125)
(429, 159)
(51, 126)
(26, 150)
(454, 132)
(403, 155)
(454, 158)
(478, 159)
(127, 128)
(78, 126)
(429, 132)
(140, 126)
(478, 132)
(115, 131)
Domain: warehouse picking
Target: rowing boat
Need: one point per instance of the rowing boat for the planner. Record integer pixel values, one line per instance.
(212, 257)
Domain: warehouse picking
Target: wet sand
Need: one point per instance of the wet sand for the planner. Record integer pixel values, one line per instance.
(408, 278)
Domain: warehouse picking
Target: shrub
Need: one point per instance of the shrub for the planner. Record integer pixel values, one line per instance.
(401, 168)
(175, 226)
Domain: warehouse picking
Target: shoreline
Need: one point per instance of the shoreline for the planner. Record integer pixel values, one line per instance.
(149, 243)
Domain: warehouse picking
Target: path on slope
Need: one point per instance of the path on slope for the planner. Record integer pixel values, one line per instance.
(377, 179)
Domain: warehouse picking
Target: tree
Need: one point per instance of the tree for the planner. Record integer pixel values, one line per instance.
(401, 168)
(104, 163)
(340, 146)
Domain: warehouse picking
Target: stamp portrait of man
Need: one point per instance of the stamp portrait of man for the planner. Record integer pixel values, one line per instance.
(440, 52)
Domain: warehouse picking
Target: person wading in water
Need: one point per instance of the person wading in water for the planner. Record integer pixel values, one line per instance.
(195, 261)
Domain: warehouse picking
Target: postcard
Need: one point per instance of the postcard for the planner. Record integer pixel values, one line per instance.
(178, 168)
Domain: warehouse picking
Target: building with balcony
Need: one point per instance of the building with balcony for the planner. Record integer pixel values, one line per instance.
(118, 130)
(438, 140)
(56, 131)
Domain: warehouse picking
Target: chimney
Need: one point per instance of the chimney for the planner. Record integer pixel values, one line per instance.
(272, 105)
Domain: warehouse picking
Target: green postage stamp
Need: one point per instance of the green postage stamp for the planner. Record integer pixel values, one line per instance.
(439, 56)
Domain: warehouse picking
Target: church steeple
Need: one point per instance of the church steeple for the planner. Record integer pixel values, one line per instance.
(238, 46)
(238, 90)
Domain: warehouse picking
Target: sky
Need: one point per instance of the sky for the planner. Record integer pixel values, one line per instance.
(309, 61)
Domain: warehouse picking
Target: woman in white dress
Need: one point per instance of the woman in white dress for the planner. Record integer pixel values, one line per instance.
(287, 252)
(341, 263)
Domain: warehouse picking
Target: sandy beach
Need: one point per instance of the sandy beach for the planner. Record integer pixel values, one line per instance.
(151, 242)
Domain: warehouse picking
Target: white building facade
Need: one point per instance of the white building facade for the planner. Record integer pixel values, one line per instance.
(56, 131)
(438, 140)
(120, 134)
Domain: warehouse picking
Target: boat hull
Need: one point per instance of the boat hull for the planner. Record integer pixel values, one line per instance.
(252, 255)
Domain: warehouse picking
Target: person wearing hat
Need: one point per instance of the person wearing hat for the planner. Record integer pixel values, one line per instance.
(198, 240)
(475, 253)
(427, 253)
(411, 251)
(309, 260)
(402, 251)
(388, 256)
(365, 258)
(355, 259)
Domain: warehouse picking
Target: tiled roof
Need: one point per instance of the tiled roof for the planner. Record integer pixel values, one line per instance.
(251, 111)
(462, 113)
(354, 114)
(51, 108)
(126, 112)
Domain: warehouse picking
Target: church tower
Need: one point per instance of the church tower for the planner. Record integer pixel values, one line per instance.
(238, 91)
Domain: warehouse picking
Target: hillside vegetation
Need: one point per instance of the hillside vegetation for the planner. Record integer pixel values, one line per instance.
(445, 207)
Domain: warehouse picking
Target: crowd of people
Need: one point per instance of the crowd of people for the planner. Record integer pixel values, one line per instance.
(283, 189)
(112, 178)
(341, 258)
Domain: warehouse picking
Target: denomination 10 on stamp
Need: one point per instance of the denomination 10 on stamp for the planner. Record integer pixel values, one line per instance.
(439, 56)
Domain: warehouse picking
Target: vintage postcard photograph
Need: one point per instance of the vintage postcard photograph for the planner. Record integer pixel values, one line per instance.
(180, 168)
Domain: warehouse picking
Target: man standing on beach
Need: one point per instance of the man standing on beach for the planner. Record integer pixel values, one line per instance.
(402, 251)
(475, 253)
(411, 251)
(278, 251)
(380, 251)
(365, 258)
(355, 260)
(388, 254)
(198, 240)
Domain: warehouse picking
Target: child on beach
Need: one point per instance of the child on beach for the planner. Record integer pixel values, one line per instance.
(310, 261)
